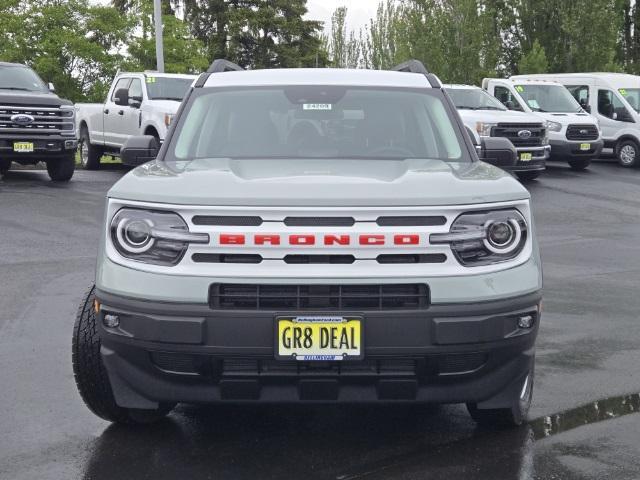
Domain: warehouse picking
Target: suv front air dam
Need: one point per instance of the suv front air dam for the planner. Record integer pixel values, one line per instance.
(563, 149)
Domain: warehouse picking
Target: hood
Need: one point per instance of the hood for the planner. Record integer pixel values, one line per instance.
(497, 116)
(567, 118)
(16, 97)
(166, 106)
(319, 182)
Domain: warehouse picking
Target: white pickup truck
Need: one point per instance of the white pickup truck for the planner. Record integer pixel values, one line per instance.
(137, 104)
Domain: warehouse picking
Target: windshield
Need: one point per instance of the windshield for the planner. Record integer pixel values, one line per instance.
(548, 98)
(20, 78)
(316, 122)
(474, 99)
(632, 96)
(167, 88)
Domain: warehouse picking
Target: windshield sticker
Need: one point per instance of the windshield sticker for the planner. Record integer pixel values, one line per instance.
(316, 106)
(533, 103)
(623, 92)
(151, 79)
(519, 88)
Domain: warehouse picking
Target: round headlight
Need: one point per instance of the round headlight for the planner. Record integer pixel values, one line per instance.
(134, 235)
(503, 236)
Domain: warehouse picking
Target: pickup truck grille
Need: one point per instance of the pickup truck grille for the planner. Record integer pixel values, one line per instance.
(233, 296)
(46, 121)
(512, 130)
(582, 132)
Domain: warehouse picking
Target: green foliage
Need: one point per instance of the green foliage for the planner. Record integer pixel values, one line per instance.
(534, 61)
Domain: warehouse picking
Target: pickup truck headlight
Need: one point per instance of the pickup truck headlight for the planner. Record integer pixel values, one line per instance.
(484, 238)
(152, 236)
(484, 129)
(553, 126)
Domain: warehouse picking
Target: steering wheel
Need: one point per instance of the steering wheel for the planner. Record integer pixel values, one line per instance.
(391, 149)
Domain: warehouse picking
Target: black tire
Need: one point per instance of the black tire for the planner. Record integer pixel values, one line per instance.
(90, 155)
(628, 153)
(579, 163)
(528, 176)
(506, 417)
(61, 169)
(5, 165)
(91, 376)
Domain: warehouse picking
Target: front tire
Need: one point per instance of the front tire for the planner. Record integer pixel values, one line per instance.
(579, 163)
(91, 376)
(514, 416)
(61, 169)
(90, 155)
(628, 153)
(527, 176)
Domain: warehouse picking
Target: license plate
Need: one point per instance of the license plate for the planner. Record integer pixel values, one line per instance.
(319, 338)
(526, 157)
(23, 147)
(585, 146)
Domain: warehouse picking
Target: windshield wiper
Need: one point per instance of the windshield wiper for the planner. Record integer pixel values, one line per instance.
(466, 107)
(488, 107)
(22, 89)
(166, 98)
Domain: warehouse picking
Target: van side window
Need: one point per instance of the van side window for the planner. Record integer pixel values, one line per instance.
(135, 89)
(122, 83)
(610, 106)
(508, 100)
(580, 93)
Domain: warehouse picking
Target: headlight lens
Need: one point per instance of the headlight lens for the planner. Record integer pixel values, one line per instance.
(554, 126)
(487, 237)
(152, 236)
(484, 129)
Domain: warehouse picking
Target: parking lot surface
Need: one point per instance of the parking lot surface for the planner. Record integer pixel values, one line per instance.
(584, 421)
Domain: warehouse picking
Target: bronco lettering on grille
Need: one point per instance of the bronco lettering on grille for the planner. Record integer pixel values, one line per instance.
(301, 240)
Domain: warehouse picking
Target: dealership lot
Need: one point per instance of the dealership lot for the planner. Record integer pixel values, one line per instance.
(588, 350)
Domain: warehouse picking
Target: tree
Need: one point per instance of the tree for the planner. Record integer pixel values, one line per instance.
(344, 50)
(534, 61)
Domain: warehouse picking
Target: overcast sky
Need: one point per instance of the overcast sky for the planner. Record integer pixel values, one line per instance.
(358, 11)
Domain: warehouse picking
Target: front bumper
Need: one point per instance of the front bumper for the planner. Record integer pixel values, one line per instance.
(44, 147)
(566, 149)
(446, 353)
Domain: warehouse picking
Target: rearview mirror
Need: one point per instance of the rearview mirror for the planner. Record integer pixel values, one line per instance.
(498, 151)
(139, 150)
(121, 97)
(51, 87)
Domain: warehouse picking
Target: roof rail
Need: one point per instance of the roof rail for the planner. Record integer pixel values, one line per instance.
(411, 66)
(222, 65)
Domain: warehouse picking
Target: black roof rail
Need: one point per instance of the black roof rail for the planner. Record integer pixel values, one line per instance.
(222, 65)
(411, 66)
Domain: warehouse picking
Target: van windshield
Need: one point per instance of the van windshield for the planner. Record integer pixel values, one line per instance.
(548, 98)
(632, 96)
(310, 121)
(474, 99)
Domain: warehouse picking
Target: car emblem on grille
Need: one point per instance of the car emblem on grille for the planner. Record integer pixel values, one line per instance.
(22, 119)
(524, 133)
(584, 132)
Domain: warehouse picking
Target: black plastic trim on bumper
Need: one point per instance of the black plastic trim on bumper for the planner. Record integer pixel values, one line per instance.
(567, 149)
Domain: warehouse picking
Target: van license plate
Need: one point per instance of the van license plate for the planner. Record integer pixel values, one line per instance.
(23, 147)
(319, 338)
(585, 147)
(526, 157)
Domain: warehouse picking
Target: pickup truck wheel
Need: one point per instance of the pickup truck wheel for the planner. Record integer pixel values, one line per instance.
(628, 153)
(91, 376)
(61, 169)
(579, 163)
(506, 417)
(5, 165)
(89, 154)
(527, 176)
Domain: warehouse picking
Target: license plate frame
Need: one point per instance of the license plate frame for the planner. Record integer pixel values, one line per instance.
(319, 321)
(23, 147)
(585, 147)
(526, 157)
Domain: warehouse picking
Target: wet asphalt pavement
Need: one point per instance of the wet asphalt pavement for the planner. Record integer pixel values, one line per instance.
(585, 421)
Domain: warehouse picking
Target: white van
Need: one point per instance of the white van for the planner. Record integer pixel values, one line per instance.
(574, 135)
(614, 99)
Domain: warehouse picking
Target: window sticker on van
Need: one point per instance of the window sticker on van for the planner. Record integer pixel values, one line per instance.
(519, 88)
(151, 79)
(623, 92)
(316, 106)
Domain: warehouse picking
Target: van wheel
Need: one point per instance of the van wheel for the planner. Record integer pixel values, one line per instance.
(89, 154)
(5, 165)
(91, 376)
(61, 169)
(506, 417)
(579, 163)
(628, 153)
(527, 176)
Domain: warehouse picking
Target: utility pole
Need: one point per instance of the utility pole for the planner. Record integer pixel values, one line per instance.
(157, 15)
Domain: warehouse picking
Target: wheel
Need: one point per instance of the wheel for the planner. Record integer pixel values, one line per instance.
(89, 154)
(61, 169)
(579, 163)
(5, 165)
(507, 417)
(628, 153)
(527, 176)
(91, 376)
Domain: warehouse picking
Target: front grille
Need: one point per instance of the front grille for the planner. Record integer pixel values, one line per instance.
(227, 220)
(511, 131)
(232, 296)
(226, 258)
(368, 367)
(319, 221)
(582, 132)
(411, 221)
(317, 259)
(412, 258)
(46, 120)
(456, 364)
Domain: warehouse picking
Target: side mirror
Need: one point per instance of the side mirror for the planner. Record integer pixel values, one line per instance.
(135, 102)
(121, 97)
(509, 104)
(498, 151)
(51, 87)
(139, 150)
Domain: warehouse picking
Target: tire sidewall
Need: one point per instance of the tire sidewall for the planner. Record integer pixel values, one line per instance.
(619, 153)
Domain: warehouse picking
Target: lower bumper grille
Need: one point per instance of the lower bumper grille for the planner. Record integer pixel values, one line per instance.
(582, 132)
(229, 296)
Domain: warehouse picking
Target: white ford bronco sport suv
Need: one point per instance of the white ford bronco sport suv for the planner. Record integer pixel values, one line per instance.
(312, 235)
